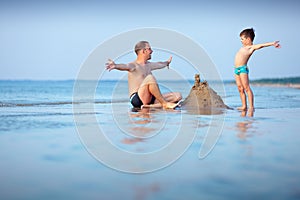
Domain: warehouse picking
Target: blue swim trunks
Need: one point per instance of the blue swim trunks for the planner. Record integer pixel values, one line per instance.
(137, 102)
(242, 69)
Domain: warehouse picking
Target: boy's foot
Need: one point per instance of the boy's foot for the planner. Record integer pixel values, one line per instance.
(250, 112)
(251, 109)
(243, 113)
(242, 108)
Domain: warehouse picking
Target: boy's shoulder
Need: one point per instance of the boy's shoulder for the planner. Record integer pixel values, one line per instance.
(246, 48)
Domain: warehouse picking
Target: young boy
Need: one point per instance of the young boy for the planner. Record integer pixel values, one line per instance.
(241, 70)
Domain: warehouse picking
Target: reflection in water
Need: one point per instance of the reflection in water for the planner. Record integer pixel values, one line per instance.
(195, 110)
(145, 192)
(131, 140)
(245, 129)
(141, 120)
(140, 116)
(141, 125)
(250, 113)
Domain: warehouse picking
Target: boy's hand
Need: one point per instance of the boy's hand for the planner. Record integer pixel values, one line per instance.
(276, 44)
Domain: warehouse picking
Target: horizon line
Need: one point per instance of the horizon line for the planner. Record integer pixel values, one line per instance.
(68, 79)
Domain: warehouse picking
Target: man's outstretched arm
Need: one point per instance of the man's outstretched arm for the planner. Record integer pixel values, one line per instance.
(110, 65)
(160, 65)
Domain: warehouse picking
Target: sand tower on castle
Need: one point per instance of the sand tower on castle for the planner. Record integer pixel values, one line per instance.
(202, 99)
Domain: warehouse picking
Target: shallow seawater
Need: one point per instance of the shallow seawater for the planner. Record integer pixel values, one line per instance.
(51, 151)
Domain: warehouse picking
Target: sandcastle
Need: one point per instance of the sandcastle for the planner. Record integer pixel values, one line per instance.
(204, 100)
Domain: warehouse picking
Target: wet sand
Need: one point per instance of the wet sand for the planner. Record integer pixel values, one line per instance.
(195, 155)
(254, 157)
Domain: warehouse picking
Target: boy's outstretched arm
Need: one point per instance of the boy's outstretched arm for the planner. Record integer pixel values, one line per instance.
(259, 46)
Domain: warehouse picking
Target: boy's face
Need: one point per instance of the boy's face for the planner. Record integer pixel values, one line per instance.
(246, 41)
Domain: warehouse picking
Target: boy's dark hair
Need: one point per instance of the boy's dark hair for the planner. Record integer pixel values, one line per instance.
(249, 32)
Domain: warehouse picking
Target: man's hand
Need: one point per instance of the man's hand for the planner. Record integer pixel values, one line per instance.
(169, 61)
(110, 65)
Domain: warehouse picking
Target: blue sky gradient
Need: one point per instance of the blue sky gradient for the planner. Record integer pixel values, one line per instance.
(51, 39)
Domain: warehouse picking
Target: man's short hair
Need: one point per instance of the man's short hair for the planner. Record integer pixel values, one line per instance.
(139, 46)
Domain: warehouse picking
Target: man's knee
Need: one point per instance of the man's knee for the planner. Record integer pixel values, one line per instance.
(177, 96)
(173, 96)
(150, 79)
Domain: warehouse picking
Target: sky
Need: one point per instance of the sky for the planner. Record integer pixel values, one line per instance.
(50, 40)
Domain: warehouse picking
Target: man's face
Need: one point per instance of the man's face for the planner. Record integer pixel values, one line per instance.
(148, 51)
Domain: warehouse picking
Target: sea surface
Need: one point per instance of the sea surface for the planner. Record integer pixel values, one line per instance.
(61, 142)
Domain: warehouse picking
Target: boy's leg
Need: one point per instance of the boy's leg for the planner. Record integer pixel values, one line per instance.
(150, 87)
(241, 91)
(245, 82)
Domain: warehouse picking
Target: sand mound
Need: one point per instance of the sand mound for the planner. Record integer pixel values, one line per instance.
(204, 100)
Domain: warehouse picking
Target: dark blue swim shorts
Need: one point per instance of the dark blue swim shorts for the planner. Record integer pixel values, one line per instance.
(137, 102)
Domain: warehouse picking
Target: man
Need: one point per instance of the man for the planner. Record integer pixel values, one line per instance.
(143, 88)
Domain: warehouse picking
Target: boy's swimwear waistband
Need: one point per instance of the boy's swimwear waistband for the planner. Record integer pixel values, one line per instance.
(242, 69)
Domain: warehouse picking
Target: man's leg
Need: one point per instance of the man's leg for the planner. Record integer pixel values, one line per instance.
(172, 97)
(150, 87)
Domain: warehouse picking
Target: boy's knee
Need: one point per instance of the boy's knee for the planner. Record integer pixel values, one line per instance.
(247, 89)
(240, 88)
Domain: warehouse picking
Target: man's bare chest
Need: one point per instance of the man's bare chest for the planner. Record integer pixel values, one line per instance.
(143, 70)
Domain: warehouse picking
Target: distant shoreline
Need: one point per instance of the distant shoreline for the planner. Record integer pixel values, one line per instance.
(291, 82)
(289, 85)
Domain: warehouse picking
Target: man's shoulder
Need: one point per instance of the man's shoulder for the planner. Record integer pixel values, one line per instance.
(132, 66)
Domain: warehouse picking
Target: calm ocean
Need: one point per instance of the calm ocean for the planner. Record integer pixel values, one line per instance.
(42, 156)
(28, 105)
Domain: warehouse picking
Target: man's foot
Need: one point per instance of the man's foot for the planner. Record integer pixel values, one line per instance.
(167, 105)
(157, 105)
(170, 105)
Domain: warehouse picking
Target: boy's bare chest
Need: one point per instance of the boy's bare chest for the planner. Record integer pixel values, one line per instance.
(245, 51)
